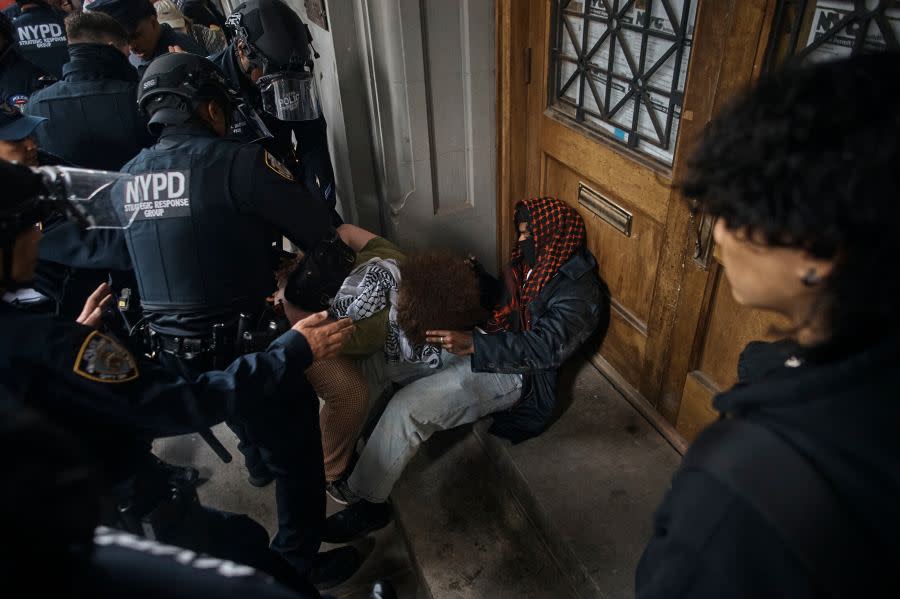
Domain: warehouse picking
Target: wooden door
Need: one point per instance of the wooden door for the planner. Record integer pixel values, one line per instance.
(714, 328)
(616, 92)
(676, 331)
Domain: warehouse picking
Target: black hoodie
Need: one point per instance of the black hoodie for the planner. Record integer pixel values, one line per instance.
(843, 416)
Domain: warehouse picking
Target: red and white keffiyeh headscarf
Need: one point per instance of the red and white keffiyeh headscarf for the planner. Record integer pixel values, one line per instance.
(558, 234)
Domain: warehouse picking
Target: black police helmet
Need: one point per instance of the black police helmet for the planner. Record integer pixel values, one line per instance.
(174, 83)
(272, 28)
(319, 276)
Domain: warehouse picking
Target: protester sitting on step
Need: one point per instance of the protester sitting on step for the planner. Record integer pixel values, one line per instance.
(388, 295)
(795, 491)
(554, 301)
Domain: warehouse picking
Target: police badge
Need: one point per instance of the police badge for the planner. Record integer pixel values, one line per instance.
(102, 359)
(278, 166)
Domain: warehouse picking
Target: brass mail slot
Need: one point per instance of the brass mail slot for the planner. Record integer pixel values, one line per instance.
(605, 208)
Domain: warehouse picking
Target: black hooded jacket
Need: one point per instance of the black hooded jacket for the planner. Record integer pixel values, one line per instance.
(842, 416)
(569, 309)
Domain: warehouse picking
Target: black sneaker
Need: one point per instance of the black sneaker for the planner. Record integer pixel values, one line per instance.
(355, 521)
(340, 492)
(331, 568)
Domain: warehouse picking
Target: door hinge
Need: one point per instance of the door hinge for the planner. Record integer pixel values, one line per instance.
(527, 66)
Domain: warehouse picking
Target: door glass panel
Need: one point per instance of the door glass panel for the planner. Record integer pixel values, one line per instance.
(816, 30)
(618, 68)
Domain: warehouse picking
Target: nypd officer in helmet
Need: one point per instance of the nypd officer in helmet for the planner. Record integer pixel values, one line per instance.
(205, 211)
(270, 64)
(83, 379)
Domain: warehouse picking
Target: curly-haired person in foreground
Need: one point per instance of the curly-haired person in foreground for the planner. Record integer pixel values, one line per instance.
(553, 302)
(392, 298)
(795, 491)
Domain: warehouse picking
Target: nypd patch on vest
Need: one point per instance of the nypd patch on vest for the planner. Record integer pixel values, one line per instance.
(102, 359)
(278, 166)
(42, 35)
(158, 195)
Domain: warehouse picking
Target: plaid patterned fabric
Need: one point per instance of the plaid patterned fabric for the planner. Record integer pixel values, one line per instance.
(558, 234)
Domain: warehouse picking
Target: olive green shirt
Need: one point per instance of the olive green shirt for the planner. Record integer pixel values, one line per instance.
(369, 335)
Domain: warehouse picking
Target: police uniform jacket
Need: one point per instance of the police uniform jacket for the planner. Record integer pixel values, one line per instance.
(100, 87)
(839, 414)
(310, 161)
(206, 211)
(93, 121)
(42, 38)
(167, 37)
(19, 79)
(88, 383)
(72, 262)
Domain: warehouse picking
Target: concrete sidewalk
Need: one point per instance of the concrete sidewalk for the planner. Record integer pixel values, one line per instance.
(563, 515)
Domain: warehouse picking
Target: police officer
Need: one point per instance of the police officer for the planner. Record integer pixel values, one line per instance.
(147, 37)
(18, 77)
(269, 61)
(42, 35)
(205, 212)
(17, 144)
(99, 86)
(88, 560)
(84, 380)
(17, 137)
(67, 247)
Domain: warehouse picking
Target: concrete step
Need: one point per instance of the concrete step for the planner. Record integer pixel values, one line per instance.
(465, 534)
(563, 515)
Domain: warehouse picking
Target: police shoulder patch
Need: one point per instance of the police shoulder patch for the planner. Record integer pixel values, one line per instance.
(278, 166)
(102, 359)
(18, 101)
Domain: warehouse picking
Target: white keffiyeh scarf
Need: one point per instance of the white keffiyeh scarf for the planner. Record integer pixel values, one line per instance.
(370, 288)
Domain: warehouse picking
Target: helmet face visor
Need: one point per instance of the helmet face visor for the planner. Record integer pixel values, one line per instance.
(91, 198)
(290, 96)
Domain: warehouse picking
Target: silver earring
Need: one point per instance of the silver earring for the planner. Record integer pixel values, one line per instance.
(811, 278)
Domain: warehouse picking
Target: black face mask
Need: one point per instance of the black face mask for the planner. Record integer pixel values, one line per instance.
(526, 250)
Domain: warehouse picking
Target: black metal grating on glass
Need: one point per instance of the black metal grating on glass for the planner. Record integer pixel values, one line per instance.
(619, 66)
(833, 29)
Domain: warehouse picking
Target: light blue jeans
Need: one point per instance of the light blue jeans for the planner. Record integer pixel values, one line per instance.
(451, 397)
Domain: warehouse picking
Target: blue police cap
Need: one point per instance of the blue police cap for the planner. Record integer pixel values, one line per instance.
(127, 12)
(14, 125)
